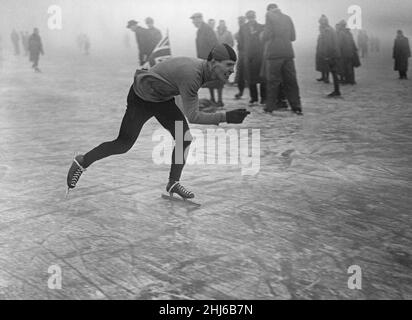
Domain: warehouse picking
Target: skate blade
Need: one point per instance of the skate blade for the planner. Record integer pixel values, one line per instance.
(178, 199)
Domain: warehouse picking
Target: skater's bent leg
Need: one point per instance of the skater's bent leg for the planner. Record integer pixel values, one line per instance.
(171, 118)
(135, 117)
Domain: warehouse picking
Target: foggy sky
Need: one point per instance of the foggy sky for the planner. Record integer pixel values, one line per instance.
(105, 20)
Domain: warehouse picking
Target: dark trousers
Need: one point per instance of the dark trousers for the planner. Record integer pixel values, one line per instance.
(348, 70)
(253, 91)
(334, 67)
(34, 57)
(137, 113)
(403, 74)
(281, 71)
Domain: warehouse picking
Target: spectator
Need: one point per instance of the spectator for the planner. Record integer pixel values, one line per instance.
(401, 54)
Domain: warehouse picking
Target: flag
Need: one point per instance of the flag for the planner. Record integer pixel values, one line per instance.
(160, 53)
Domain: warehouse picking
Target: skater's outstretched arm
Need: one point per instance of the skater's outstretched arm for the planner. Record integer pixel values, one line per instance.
(190, 101)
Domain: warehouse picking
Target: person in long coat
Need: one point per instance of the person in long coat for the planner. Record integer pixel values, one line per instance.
(250, 41)
(223, 34)
(401, 54)
(153, 37)
(206, 40)
(35, 49)
(321, 64)
(240, 65)
(329, 52)
(278, 35)
(141, 39)
(349, 53)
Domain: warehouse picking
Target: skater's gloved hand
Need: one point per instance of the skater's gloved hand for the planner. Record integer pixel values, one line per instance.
(236, 116)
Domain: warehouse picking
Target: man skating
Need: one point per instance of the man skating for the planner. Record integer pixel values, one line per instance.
(152, 94)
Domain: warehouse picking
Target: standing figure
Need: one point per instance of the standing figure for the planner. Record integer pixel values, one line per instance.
(15, 40)
(141, 41)
(212, 23)
(278, 35)
(153, 37)
(349, 53)
(240, 66)
(206, 40)
(224, 35)
(250, 41)
(322, 64)
(363, 43)
(35, 49)
(401, 54)
(329, 52)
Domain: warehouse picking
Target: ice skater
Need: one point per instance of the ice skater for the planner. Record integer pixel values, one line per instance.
(152, 94)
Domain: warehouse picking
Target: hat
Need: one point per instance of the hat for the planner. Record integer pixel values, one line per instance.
(342, 23)
(222, 52)
(250, 14)
(271, 6)
(323, 19)
(131, 23)
(196, 15)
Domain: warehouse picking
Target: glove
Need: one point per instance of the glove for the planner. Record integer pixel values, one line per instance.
(236, 116)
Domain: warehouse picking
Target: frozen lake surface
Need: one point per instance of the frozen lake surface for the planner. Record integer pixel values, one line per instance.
(333, 190)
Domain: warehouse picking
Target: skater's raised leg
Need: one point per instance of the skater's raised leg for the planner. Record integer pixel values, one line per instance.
(135, 117)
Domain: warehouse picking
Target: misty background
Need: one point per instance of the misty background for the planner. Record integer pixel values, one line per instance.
(104, 21)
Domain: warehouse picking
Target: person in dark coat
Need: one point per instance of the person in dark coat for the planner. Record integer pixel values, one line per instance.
(321, 64)
(212, 23)
(153, 37)
(401, 54)
(141, 39)
(223, 34)
(249, 40)
(278, 35)
(240, 66)
(15, 40)
(329, 52)
(35, 49)
(206, 40)
(349, 53)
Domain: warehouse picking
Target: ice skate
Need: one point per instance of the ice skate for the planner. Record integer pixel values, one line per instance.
(185, 195)
(74, 173)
